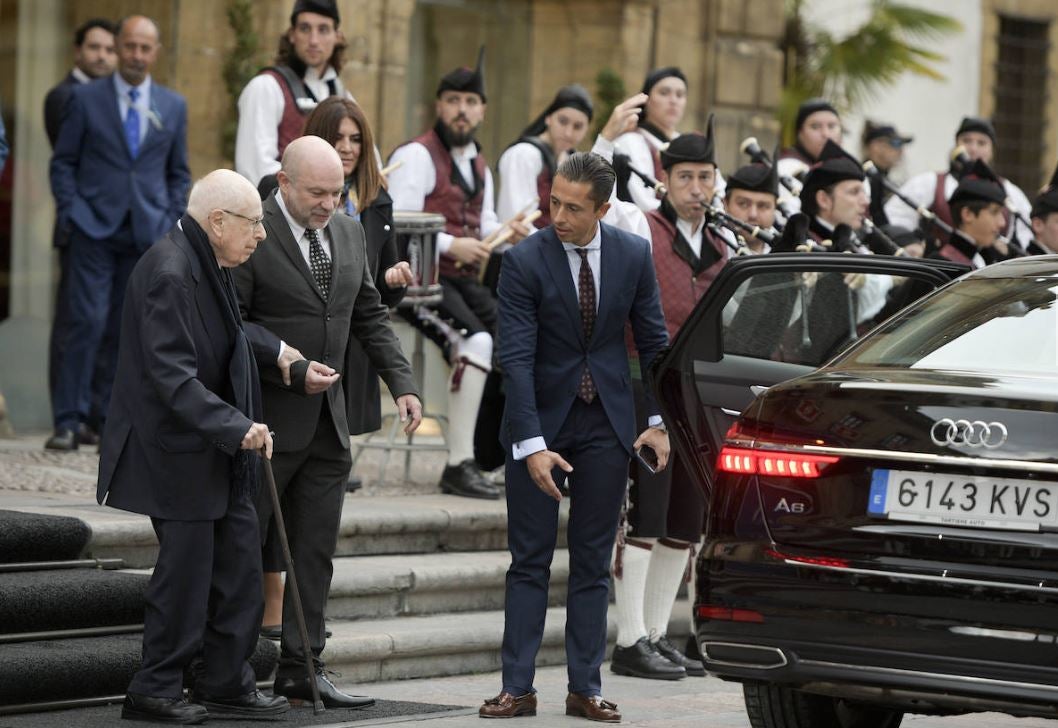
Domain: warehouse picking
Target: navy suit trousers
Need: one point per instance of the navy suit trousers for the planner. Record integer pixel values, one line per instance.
(204, 596)
(597, 489)
(98, 273)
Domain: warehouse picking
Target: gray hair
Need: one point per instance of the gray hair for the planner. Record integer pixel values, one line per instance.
(593, 169)
(220, 189)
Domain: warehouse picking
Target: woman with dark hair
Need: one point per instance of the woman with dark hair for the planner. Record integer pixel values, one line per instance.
(666, 90)
(342, 123)
(527, 166)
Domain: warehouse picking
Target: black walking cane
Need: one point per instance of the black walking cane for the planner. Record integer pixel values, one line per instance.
(292, 582)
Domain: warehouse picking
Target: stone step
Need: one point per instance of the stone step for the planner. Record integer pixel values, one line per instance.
(370, 526)
(371, 587)
(448, 644)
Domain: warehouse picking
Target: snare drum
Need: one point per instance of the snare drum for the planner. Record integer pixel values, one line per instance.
(417, 244)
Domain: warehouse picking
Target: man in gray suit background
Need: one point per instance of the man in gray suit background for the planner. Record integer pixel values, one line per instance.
(310, 286)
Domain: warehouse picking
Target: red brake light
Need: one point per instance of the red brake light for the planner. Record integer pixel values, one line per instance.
(727, 614)
(747, 461)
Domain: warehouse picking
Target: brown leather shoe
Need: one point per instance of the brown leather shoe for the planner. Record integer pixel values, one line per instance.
(506, 705)
(592, 707)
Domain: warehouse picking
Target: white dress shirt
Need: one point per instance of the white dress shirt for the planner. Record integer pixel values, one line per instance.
(525, 448)
(519, 168)
(261, 106)
(624, 215)
(80, 75)
(142, 105)
(298, 231)
(412, 182)
(692, 236)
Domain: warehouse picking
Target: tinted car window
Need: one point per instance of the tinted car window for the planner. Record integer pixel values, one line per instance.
(987, 324)
(803, 318)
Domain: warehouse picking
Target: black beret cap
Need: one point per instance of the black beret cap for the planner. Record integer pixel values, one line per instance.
(979, 183)
(328, 8)
(834, 165)
(810, 107)
(690, 147)
(755, 178)
(978, 124)
(465, 79)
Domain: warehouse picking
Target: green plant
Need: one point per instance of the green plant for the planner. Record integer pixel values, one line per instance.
(849, 71)
(609, 92)
(240, 65)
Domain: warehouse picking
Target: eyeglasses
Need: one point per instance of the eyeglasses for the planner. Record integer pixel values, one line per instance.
(254, 221)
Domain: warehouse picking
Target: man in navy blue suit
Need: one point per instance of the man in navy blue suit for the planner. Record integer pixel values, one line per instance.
(119, 175)
(566, 296)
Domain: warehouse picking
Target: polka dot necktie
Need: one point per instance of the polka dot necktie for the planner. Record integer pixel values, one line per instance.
(586, 290)
(319, 263)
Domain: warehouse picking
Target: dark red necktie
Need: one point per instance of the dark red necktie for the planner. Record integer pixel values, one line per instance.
(586, 292)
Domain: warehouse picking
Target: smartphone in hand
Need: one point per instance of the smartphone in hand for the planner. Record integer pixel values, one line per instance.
(648, 458)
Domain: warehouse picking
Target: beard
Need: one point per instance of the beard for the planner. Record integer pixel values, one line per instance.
(453, 138)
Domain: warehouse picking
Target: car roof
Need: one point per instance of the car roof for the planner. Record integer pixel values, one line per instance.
(1034, 266)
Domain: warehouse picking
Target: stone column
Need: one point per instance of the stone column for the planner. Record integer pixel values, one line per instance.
(41, 50)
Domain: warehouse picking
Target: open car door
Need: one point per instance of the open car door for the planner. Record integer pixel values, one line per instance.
(770, 318)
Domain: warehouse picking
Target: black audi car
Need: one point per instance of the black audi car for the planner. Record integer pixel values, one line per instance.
(882, 490)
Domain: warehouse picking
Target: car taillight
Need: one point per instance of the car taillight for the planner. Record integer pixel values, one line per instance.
(727, 614)
(749, 461)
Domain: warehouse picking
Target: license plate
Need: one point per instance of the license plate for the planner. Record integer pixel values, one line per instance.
(964, 500)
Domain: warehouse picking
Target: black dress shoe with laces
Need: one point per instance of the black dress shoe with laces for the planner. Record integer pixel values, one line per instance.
(466, 480)
(642, 660)
(63, 440)
(86, 435)
(250, 705)
(668, 650)
(162, 710)
(298, 689)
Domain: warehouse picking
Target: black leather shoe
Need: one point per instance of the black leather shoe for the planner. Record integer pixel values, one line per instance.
(250, 705)
(298, 688)
(162, 710)
(86, 435)
(466, 480)
(668, 650)
(642, 660)
(63, 440)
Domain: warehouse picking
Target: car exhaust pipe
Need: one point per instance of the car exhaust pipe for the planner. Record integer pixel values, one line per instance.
(730, 654)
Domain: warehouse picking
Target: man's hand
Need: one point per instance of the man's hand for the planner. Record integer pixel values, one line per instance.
(520, 230)
(658, 441)
(624, 118)
(469, 251)
(540, 465)
(319, 378)
(410, 410)
(399, 275)
(288, 357)
(258, 437)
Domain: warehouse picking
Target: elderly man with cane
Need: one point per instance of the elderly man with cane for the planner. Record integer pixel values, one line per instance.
(182, 440)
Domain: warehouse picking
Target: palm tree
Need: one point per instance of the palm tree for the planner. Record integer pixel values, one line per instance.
(848, 71)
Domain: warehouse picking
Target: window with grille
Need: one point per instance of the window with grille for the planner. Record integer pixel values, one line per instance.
(1020, 99)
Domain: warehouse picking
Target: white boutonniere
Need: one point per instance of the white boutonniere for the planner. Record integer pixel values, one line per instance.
(155, 118)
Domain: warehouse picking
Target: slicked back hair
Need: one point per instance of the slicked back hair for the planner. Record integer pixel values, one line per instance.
(593, 169)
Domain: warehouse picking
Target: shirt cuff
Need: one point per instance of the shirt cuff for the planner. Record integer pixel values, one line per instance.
(525, 448)
(444, 242)
(282, 347)
(604, 148)
(654, 421)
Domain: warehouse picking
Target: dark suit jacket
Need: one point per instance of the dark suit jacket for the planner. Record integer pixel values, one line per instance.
(95, 180)
(541, 339)
(55, 106)
(172, 429)
(277, 291)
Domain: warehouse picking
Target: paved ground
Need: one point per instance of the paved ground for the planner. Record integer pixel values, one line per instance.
(30, 477)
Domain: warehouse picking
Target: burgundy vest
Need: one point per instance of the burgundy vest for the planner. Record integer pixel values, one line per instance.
(292, 123)
(462, 215)
(680, 289)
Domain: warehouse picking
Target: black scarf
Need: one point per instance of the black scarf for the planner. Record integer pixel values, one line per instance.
(242, 369)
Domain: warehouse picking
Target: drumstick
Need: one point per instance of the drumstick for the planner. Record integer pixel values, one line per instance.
(490, 239)
(504, 236)
(396, 165)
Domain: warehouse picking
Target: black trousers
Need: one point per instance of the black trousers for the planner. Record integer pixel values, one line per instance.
(204, 596)
(311, 485)
(666, 504)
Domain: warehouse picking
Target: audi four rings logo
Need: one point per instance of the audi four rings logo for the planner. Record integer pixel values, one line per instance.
(975, 433)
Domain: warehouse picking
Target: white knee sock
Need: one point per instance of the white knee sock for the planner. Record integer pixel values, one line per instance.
(666, 571)
(465, 401)
(628, 591)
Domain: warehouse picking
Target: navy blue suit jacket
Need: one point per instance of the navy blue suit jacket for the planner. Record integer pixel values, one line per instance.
(541, 340)
(94, 178)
